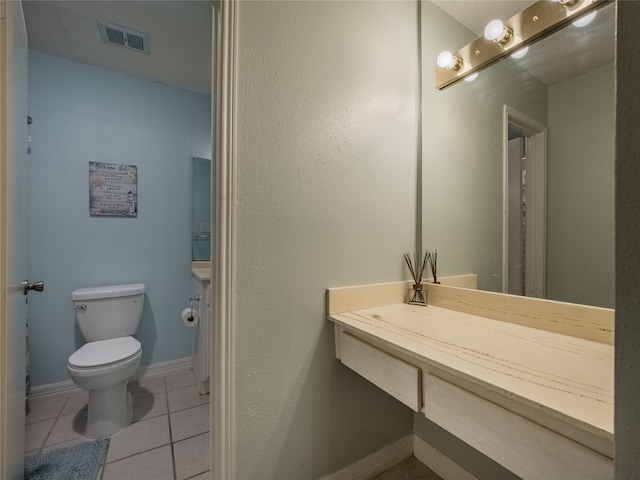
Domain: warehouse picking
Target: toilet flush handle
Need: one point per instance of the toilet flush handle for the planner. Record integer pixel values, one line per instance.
(82, 307)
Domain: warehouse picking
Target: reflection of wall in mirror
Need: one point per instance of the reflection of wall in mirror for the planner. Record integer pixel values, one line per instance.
(462, 153)
(580, 211)
(462, 168)
(201, 209)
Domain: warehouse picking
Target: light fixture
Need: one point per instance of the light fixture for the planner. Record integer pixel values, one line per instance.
(586, 20)
(512, 37)
(471, 77)
(520, 53)
(496, 31)
(448, 61)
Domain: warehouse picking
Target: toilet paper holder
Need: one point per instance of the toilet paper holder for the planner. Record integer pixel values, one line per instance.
(195, 298)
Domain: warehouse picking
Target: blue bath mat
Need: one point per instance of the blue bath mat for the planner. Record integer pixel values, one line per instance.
(79, 462)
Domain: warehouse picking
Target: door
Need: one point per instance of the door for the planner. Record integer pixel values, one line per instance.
(13, 255)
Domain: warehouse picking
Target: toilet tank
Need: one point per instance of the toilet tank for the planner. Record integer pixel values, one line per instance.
(108, 312)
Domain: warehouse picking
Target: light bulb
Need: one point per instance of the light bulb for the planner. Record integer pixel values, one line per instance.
(444, 59)
(497, 32)
(520, 53)
(471, 77)
(448, 60)
(586, 20)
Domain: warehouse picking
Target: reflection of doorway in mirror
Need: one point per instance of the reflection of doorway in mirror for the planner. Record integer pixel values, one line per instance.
(524, 216)
(517, 213)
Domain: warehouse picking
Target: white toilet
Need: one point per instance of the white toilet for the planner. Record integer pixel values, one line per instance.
(107, 317)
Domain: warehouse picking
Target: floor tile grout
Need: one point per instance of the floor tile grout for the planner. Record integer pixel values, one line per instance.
(173, 457)
(133, 455)
(197, 474)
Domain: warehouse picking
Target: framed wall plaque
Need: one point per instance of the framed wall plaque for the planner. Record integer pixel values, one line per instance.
(113, 190)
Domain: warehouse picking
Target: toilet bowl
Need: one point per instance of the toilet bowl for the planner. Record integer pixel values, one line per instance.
(103, 368)
(107, 317)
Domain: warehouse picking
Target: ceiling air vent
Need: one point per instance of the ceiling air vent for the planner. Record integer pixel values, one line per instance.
(124, 37)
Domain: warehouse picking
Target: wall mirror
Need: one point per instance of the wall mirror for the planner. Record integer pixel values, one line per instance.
(200, 209)
(540, 221)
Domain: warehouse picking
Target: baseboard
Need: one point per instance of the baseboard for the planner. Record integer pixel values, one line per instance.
(162, 369)
(377, 462)
(54, 389)
(159, 369)
(437, 461)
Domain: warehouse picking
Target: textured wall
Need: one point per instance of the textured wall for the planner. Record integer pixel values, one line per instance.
(327, 128)
(627, 178)
(84, 114)
(462, 153)
(580, 212)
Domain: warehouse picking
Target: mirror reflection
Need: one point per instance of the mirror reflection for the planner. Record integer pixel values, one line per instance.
(200, 209)
(538, 222)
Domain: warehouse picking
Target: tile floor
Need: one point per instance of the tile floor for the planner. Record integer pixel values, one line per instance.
(168, 438)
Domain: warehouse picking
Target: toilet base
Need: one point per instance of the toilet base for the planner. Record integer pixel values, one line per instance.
(110, 410)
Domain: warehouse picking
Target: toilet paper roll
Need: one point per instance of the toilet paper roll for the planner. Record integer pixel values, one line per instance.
(190, 317)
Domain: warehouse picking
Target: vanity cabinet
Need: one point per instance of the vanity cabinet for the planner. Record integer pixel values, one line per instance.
(201, 272)
(537, 402)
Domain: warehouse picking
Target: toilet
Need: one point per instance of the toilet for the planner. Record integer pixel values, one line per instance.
(107, 317)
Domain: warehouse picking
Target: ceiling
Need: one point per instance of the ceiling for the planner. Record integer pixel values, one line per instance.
(475, 14)
(179, 31)
(554, 59)
(180, 37)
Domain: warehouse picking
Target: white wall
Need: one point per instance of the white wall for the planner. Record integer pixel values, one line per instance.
(327, 129)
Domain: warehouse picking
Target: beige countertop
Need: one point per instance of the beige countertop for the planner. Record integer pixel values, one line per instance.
(569, 379)
(201, 271)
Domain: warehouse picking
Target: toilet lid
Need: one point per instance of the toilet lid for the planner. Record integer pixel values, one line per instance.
(104, 352)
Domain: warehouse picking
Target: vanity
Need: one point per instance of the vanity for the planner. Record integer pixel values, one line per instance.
(201, 182)
(525, 381)
(201, 272)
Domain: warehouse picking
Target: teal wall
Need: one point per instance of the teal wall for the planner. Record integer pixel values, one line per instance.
(82, 114)
(580, 211)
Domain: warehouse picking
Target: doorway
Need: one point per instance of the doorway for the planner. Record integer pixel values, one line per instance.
(171, 384)
(524, 204)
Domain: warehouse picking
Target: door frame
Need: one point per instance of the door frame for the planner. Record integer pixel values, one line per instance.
(13, 150)
(536, 238)
(223, 438)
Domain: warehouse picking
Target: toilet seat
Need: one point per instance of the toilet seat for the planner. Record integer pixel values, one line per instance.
(104, 352)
